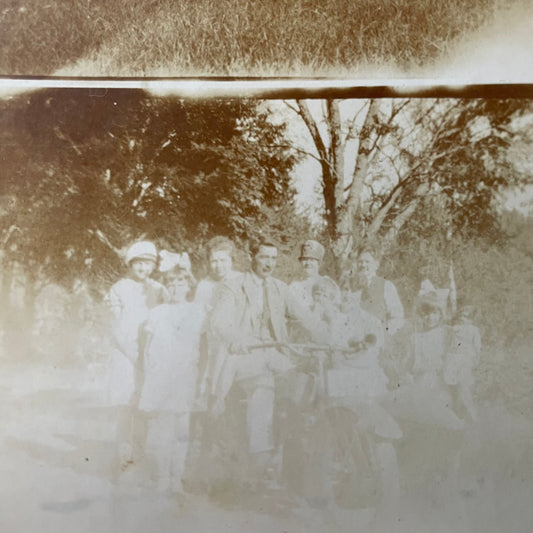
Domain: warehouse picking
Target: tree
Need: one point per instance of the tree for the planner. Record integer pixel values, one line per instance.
(411, 156)
(85, 173)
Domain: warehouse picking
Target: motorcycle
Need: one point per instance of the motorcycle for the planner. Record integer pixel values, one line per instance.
(336, 440)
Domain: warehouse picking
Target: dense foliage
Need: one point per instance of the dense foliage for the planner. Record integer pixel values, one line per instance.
(84, 173)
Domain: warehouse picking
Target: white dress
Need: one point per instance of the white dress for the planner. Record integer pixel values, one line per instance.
(130, 302)
(464, 355)
(426, 399)
(170, 363)
(168, 390)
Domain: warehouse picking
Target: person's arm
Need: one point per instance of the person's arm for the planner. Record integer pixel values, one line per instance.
(164, 295)
(395, 312)
(224, 322)
(145, 340)
(114, 303)
(202, 295)
(411, 360)
(392, 301)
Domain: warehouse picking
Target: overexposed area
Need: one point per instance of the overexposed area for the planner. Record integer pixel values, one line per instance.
(278, 316)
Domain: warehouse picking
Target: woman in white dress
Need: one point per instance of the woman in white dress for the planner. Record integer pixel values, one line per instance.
(424, 397)
(129, 300)
(168, 377)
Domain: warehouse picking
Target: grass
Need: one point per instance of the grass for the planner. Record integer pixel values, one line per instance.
(232, 37)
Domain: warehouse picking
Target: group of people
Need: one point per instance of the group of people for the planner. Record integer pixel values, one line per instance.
(181, 346)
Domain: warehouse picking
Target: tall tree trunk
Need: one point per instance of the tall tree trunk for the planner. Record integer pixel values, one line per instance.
(349, 228)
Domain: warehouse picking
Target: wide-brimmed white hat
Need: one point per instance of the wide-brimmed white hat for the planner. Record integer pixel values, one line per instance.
(312, 250)
(141, 250)
(171, 260)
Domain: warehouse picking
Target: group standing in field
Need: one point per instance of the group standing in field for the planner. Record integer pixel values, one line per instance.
(343, 362)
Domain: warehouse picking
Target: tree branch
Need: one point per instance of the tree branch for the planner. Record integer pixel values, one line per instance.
(313, 129)
(362, 160)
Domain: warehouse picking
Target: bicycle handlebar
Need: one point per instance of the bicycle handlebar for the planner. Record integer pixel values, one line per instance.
(354, 347)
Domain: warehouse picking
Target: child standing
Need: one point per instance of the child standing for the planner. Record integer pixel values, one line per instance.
(168, 377)
(424, 397)
(463, 358)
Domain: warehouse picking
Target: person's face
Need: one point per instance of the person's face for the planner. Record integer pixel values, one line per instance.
(367, 265)
(141, 269)
(432, 318)
(178, 285)
(321, 296)
(465, 318)
(220, 264)
(265, 261)
(309, 266)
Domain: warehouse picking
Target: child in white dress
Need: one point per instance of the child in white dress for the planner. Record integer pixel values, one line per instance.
(426, 399)
(463, 358)
(169, 372)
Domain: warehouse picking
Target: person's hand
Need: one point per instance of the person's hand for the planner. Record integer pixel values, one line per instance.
(239, 348)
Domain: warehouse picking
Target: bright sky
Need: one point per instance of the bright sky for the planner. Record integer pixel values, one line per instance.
(500, 52)
(307, 172)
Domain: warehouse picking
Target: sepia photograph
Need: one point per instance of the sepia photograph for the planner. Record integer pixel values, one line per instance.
(474, 41)
(272, 315)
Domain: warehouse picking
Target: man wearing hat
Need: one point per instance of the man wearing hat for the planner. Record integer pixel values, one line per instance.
(311, 256)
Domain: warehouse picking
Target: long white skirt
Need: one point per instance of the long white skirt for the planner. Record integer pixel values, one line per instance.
(425, 405)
